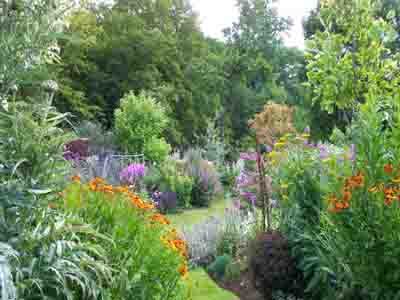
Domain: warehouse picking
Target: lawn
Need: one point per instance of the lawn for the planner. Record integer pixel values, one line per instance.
(197, 215)
(204, 288)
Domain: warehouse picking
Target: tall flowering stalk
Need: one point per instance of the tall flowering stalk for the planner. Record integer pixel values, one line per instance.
(131, 174)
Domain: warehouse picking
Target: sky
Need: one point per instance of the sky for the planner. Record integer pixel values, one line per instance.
(216, 15)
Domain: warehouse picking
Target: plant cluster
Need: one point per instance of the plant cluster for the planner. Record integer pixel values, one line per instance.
(149, 258)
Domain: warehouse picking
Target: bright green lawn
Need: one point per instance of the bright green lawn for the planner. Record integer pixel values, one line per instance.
(197, 215)
(202, 287)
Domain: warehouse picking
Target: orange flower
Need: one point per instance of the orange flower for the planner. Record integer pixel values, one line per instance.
(346, 195)
(76, 178)
(108, 189)
(160, 219)
(52, 205)
(184, 270)
(388, 168)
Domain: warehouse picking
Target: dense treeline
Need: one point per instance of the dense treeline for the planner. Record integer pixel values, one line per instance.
(158, 47)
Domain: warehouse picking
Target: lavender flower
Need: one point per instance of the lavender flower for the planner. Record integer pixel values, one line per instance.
(132, 173)
(250, 197)
(353, 152)
(323, 151)
(248, 156)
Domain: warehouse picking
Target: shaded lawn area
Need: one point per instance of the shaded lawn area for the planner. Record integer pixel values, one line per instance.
(197, 215)
(202, 287)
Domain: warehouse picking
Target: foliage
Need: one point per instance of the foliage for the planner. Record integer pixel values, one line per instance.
(218, 267)
(272, 123)
(370, 215)
(31, 142)
(149, 258)
(170, 177)
(50, 254)
(139, 123)
(100, 141)
(206, 183)
(27, 42)
(272, 265)
(349, 60)
(233, 271)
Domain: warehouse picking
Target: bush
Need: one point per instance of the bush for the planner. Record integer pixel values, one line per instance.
(233, 271)
(139, 123)
(149, 258)
(272, 265)
(49, 255)
(100, 141)
(31, 142)
(169, 177)
(218, 267)
(206, 180)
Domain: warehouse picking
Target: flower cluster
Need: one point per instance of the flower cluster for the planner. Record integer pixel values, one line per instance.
(391, 191)
(177, 244)
(342, 203)
(132, 173)
(171, 239)
(248, 156)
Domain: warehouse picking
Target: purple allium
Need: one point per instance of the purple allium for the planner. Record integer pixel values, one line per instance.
(248, 156)
(307, 130)
(132, 173)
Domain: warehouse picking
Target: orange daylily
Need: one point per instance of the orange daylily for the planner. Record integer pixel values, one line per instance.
(76, 178)
(388, 168)
(159, 218)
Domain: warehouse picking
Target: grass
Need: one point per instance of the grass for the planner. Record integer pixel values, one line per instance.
(204, 288)
(197, 215)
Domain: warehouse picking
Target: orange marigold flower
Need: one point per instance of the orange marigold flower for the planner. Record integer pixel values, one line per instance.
(388, 168)
(76, 178)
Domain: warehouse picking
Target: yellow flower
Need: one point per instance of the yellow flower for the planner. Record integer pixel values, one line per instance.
(280, 145)
(272, 154)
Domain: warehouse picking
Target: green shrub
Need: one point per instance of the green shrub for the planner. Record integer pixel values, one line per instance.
(169, 177)
(50, 255)
(218, 267)
(228, 243)
(206, 184)
(156, 149)
(139, 124)
(233, 271)
(149, 258)
(31, 142)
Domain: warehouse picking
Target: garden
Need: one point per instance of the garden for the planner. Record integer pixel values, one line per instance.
(140, 159)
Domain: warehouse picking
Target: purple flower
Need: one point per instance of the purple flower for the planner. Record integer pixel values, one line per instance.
(307, 130)
(323, 151)
(250, 197)
(248, 156)
(132, 173)
(353, 152)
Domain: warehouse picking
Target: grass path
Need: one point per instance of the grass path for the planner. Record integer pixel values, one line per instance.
(204, 288)
(197, 215)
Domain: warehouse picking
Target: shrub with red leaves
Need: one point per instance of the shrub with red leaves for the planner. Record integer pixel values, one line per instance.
(272, 266)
